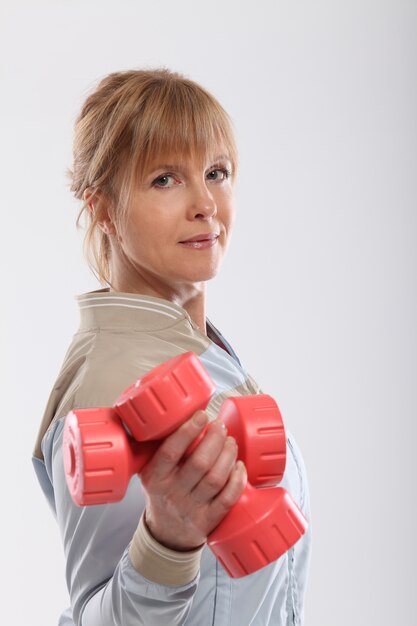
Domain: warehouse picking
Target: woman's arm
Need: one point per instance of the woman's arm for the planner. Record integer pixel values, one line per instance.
(115, 580)
(105, 588)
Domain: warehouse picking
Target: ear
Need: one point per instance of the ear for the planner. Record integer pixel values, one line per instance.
(99, 205)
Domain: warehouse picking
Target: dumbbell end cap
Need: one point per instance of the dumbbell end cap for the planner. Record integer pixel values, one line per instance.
(266, 530)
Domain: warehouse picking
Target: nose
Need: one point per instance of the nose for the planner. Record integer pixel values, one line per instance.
(201, 203)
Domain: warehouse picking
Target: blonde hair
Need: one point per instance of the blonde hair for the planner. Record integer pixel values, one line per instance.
(130, 119)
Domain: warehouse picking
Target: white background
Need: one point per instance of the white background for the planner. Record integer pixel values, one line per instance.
(317, 294)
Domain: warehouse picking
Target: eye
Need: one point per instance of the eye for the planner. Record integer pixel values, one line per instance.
(224, 174)
(162, 181)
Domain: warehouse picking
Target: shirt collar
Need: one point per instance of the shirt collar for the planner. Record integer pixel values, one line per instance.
(102, 308)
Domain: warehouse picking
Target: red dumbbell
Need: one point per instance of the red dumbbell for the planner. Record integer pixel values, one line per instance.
(260, 527)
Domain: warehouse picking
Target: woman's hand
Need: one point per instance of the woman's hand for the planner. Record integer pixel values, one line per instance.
(187, 500)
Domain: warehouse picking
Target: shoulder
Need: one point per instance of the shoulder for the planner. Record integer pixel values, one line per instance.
(107, 363)
(95, 369)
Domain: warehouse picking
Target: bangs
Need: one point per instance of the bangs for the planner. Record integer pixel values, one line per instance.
(186, 123)
(178, 119)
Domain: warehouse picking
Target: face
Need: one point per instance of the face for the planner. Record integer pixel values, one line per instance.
(172, 203)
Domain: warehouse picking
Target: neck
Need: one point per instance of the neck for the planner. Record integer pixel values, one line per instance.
(129, 278)
(192, 297)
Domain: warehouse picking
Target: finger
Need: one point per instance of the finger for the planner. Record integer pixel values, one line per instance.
(215, 480)
(228, 497)
(171, 450)
(203, 458)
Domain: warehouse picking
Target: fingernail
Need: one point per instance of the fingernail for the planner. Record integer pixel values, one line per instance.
(220, 423)
(200, 419)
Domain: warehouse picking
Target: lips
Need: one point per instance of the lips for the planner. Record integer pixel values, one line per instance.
(201, 237)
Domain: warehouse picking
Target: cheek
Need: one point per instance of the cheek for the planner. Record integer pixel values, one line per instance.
(229, 214)
(148, 233)
(133, 238)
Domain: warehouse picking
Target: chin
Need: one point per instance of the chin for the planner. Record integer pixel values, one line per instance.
(200, 271)
(210, 272)
(200, 277)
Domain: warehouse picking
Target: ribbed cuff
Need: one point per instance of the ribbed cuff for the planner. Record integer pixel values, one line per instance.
(160, 564)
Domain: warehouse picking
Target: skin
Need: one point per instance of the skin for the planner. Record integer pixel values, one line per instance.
(185, 501)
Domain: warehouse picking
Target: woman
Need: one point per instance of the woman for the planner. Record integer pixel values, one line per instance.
(155, 164)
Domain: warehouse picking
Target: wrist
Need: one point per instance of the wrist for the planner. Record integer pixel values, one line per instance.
(161, 564)
(177, 547)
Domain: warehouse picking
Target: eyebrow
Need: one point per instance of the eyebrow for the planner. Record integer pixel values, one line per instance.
(177, 166)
